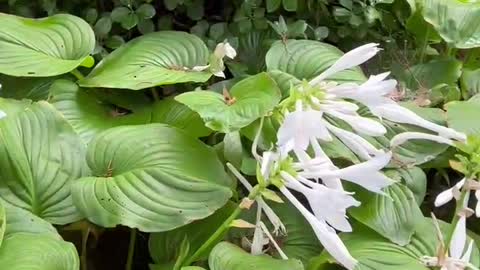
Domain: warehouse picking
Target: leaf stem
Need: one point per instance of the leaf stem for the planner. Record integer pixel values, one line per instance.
(83, 256)
(461, 204)
(77, 74)
(155, 95)
(131, 249)
(221, 230)
(424, 45)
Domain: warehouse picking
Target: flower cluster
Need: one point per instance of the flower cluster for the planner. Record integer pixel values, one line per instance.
(310, 115)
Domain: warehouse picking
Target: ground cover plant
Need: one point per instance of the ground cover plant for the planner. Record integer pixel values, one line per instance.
(245, 134)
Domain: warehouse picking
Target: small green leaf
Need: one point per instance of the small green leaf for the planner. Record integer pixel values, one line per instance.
(129, 21)
(321, 32)
(463, 116)
(228, 256)
(195, 10)
(146, 26)
(249, 100)
(43, 47)
(146, 11)
(470, 82)
(158, 58)
(103, 26)
(171, 4)
(91, 15)
(273, 5)
(290, 5)
(119, 13)
(114, 42)
(233, 149)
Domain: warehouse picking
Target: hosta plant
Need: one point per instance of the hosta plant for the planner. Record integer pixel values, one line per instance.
(301, 164)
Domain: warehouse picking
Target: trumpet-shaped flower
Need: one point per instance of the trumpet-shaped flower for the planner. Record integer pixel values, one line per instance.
(311, 107)
(216, 65)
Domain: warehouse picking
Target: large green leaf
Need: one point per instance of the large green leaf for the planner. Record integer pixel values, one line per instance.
(414, 178)
(375, 252)
(463, 116)
(306, 59)
(455, 20)
(228, 256)
(159, 58)
(22, 221)
(23, 251)
(43, 47)
(470, 82)
(165, 246)
(251, 99)
(152, 177)
(394, 215)
(40, 156)
(26, 87)
(91, 111)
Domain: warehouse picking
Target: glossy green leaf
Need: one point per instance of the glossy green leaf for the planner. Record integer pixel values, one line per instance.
(43, 47)
(394, 215)
(228, 256)
(158, 58)
(455, 20)
(290, 5)
(414, 178)
(146, 11)
(23, 251)
(375, 252)
(22, 221)
(233, 148)
(164, 247)
(91, 111)
(470, 82)
(306, 59)
(41, 156)
(151, 177)
(250, 99)
(273, 5)
(26, 87)
(463, 116)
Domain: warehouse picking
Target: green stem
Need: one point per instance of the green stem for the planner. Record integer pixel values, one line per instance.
(221, 230)
(77, 74)
(131, 249)
(155, 94)
(424, 45)
(461, 204)
(83, 256)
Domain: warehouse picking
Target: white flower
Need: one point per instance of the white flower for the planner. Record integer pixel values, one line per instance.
(327, 236)
(458, 258)
(366, 174)
(2, 114)
(351, 59)
(328, 204)
(225, 49)
(450, 193)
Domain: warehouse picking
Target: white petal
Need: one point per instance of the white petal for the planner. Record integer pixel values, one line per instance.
(360, 124)
(468, 253)
(328, 238)
(200, 68)
(268, 161)
(259, 239)
(477, 208)
(328, 204)
(272, 240)
(2, 114)
(278, 226)
(351, 59)
(230, 52)
(219, 74)
(357, 144)
(299, 127)
(396, 113)
(367, 174)
(401, 138)
(459, 238)
(447, 195)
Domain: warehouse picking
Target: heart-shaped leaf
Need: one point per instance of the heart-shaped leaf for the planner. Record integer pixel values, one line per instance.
(228, 256)
(26, 87)
(43, 47)
(470, 82)
(37, 252)
(152, 177)
(21, 221)
(158, 58)
(414, 178)
(91, 111)
(463, 116)
(394, 215)
(455, 20)
(41, 156)
(247, 101)
(375, 252)
(306, 59)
